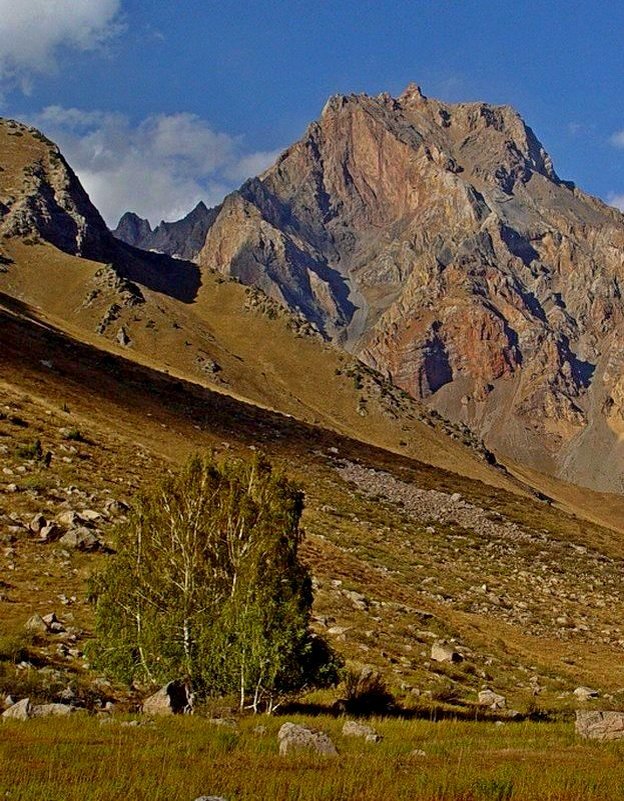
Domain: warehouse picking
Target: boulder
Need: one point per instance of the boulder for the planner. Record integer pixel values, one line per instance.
(50, 532)
(36, 625)
(81, 538)
(69, 519)
(352, 728)
(175, 698)
(37, 523)
(51, 710)
(585, 693)
(293, 738)
(22, 710)
(210, 798)
(492, 699)
(442, 652)
(605, 725)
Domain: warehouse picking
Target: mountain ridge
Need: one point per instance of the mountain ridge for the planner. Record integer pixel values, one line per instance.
(437, 243)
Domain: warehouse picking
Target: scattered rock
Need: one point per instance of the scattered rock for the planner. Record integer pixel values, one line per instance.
(210, 798)
(122, 337)
(441, 652)
(82, 539)
(37, 523)
(293, 738)
(492, 699)
(50, 533)
(36, 625)
(175, 698)
(352, 728)
(51, 710)
(586, 693)
(22, 710)
(607, 725)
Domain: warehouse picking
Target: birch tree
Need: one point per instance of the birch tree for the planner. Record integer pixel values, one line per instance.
(206, 583)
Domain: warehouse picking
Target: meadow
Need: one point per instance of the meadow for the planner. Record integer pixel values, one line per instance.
(179, 759)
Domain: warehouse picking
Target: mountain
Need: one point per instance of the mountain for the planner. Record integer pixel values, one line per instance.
(116, 364)
(182, 239)
(436, 242)
(61, 264)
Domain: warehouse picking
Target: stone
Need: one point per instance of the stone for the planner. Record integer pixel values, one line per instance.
(586, 693)
(352, 728)
(21, 710)
(293, 738)
(51, 710)
(50, 533)
(210, 798)
(599, 725)
(115, 507)
(37, 523)
(36, 625)
(442, 652)
(69, 519)
(82, 539)
(492, 700)
(175, 698)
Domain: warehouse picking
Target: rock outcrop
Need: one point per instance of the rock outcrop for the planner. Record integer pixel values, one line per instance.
(51, 204)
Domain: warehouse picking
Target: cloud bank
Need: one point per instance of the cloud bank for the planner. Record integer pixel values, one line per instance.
(32, 31)
(160, 168)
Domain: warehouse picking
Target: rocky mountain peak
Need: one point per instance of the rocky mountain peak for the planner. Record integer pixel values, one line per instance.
(46, 200)
(436, 241)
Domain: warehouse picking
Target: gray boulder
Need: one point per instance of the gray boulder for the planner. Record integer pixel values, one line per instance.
(175, 698)
(585, 693)
(22, 710)
(51, 710)
(293, 738)
(492, 699)
(352, 728)
(442, 652)
(36, 625)
(606, 725)
(81, 538)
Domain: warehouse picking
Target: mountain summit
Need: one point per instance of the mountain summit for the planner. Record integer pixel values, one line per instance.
(437, 242)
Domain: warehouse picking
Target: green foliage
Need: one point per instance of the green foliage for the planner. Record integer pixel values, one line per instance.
(207, 583)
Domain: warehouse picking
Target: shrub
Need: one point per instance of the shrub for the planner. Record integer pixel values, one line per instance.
(207, 583)
(366, 693)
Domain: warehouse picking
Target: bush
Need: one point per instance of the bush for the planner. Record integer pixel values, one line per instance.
(366, 693)
(207, 584)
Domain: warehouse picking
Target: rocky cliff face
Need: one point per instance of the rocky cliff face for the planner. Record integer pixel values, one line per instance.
(182, 239)
(42, 197)
(437, 242)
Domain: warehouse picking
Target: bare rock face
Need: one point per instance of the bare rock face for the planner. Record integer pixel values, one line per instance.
(599, 725)
(437, 242)
(51, 203)
(183, 238)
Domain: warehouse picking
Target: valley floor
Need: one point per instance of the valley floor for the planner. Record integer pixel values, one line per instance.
(81, 759)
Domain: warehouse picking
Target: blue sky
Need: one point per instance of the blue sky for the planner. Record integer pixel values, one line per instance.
(159, 104)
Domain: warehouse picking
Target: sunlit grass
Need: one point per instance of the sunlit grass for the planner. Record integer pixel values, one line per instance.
(180, 759)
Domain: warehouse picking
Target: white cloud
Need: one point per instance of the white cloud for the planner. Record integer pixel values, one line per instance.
(617, 139)
(617, 200)
(160, 168)
(32, 31)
